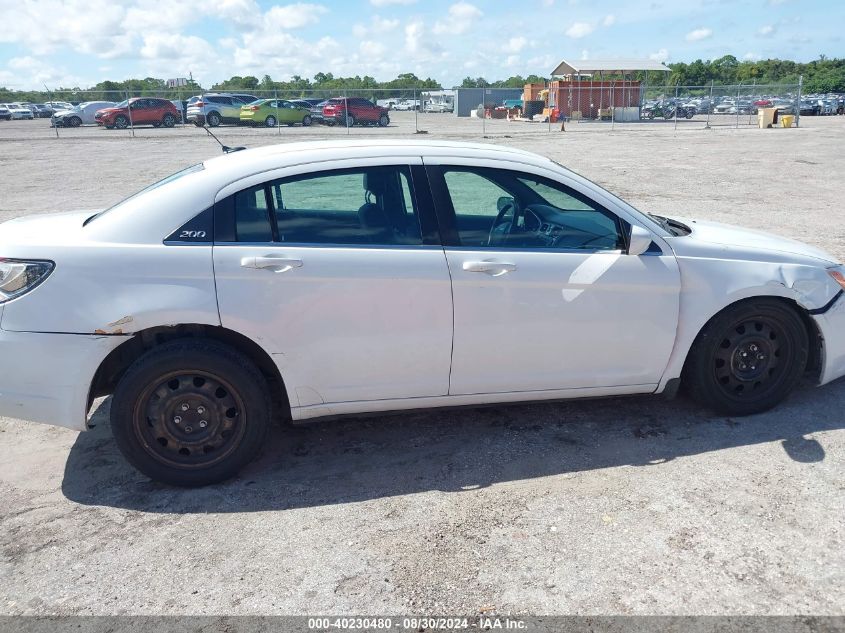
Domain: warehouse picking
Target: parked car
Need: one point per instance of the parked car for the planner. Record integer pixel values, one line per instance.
(453, 257)
(350, 111)
(439, 106)
(273, 112)
(58, 106)
(19, 112)
(317, 113)
(139, 111)
(217, 108)
(42, 110)
(5, 115)
(82, 114)
(808, 108)
(407, 104)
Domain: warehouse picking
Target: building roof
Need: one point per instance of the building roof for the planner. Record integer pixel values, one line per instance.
(591, 66)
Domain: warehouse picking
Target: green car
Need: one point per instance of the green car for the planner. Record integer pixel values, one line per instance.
(273, 112)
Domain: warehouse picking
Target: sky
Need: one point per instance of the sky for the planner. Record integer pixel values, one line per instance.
(72, 43)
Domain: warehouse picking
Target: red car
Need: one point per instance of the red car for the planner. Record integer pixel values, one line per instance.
(139, 111)
(352, 110)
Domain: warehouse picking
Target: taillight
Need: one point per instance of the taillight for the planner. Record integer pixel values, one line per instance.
(199, 104)
(19, 276)
(253, 108)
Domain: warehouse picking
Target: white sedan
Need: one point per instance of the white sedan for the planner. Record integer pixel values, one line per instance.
(329, 278)
(83, 114)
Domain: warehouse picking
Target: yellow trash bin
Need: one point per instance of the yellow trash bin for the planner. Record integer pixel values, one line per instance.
(765, 117)
(786, 120)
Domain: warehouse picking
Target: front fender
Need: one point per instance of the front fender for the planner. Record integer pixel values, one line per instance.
(708, 286)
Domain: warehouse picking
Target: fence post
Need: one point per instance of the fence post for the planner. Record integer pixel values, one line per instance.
(129, 110)
(709, 107)
(416, 113)
(677, 86)
(613, 105)
(278, 120)
(52, 103)
(798, 102)
(739, 85)
(483, 112)
(346, 112)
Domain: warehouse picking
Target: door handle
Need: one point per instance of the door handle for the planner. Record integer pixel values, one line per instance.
(491, 268)
(271, 262)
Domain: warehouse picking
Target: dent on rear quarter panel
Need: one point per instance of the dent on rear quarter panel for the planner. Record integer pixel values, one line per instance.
(118, 290)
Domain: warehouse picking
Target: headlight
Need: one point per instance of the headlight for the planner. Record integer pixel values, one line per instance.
(838, 275)
(17, 276)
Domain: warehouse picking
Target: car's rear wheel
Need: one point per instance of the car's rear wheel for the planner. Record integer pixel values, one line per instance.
(350, 120)
(748, 358)
(191, 413)
(169, 120)
(306, 120)
(383, 120)
(270, 121)
(121, 122)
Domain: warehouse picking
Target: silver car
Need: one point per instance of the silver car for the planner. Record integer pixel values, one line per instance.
(217, 108)
(79, 115)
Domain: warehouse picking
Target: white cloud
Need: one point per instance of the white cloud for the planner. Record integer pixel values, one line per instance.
(372, 51)
(169, 46)
(419, 44)
(460, 19)
(377, 25)
(699, 34)
(385, 3)
(585, 54)
(767, 30)
(660, 56)
(293, 16)
(579, 30)
(751, 57)
(515, 44)
(512, 61)
(609, 20)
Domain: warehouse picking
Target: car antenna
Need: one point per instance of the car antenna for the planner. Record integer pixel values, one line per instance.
(226, 148)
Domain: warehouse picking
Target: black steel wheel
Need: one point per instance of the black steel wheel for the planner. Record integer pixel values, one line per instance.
(191, 413)
(749, 357)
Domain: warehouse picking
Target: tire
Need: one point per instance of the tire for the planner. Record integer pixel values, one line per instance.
(213, 119)
(169, 120)
(270, 121)
(306, 120)
(121, 122)
(74, 121)
(748, 357)
(350, 120)
(191, 413)
(690, 114)
(383, 120)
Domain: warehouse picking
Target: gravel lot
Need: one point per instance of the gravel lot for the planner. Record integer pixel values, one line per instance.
(624, 506)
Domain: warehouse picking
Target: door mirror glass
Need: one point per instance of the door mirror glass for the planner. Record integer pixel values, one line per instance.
(639, 241)
(503, 202)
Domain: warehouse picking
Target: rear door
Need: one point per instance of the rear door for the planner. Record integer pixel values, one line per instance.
(347, 286)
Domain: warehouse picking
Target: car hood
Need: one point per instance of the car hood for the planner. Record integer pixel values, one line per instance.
(734, 241)
(108, 110)
(61, 113)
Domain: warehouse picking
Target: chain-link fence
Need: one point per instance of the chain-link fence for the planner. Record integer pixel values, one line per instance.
(553, 107)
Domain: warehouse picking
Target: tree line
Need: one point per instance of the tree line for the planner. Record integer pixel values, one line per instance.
(821, 75)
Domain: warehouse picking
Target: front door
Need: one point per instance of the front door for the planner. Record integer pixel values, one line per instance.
(545, 295)
(338, 275)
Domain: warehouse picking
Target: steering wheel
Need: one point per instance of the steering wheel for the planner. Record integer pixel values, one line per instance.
(500, 228)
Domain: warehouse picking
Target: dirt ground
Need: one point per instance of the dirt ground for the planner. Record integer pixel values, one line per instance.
(623, 506)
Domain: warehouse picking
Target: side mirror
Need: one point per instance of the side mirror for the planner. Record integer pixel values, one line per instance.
(640, 240)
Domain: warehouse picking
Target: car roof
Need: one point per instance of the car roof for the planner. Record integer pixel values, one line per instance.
(247, 162)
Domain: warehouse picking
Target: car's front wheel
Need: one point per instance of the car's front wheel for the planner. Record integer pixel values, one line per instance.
(121, 122)
(270, 121)
(213, 119)
(383, 120)
(748, 357)
(191, 413)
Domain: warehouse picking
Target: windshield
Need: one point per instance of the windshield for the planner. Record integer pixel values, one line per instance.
(122, 104)
(155, 185)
